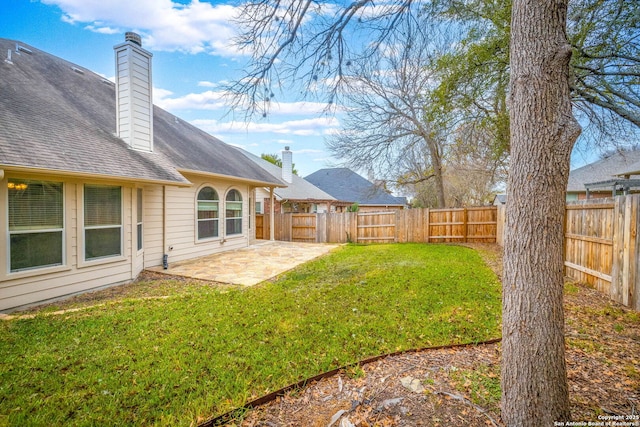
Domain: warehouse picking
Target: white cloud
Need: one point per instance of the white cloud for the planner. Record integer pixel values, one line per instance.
(209, 100)
(302, 107)
(158, 94)
(194, 27)
(306, 127)
(308, 151)
(215, 100)
(102, 30)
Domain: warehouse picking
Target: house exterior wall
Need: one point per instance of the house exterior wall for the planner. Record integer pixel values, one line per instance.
(169, 227)
(181, 237)
(575, 196)
(75, 274)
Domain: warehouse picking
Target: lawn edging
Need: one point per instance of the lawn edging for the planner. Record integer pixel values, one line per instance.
(235, 413)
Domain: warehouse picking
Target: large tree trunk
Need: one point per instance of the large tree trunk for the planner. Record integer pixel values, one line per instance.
(543, 131)
(436, 162)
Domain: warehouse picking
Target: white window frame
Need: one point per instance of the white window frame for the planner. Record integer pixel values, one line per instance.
(109, 257)
(234, 218)
(139, 219)
(216, 221)
(39, 268)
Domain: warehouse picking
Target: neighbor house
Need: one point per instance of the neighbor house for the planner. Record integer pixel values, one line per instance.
(98, 184)
(618, 173)
(345, 184)
(299, 196)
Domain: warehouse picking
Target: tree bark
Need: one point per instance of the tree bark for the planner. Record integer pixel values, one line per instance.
(543, 131)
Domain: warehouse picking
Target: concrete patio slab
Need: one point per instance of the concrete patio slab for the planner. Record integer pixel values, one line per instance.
(249, 266)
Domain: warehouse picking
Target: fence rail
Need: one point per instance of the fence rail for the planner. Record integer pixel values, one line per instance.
(602, 237)
(602, 245)
(411, 225)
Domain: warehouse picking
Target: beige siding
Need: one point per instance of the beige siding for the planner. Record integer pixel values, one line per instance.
(169, 221)
(181, 220)
(152, 226)
(31, 286)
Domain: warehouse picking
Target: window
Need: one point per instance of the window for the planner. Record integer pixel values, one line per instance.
(139, 218)
(234, 212)
(102, 221)
(259, 207)
(207, 213)
(36, 224)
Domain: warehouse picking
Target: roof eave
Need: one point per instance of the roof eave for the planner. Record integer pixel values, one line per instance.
(257, 183)
(95, 176)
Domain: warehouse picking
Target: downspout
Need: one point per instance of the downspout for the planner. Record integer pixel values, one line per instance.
(165, 256)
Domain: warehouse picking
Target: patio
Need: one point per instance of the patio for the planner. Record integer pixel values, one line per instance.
(248, 266)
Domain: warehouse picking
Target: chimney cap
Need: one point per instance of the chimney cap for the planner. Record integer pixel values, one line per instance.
(286, 148)
(130, 36)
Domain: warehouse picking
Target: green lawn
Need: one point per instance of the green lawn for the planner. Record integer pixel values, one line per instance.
(205, 350)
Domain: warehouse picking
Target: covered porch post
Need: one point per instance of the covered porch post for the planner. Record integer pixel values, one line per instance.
(272, 210)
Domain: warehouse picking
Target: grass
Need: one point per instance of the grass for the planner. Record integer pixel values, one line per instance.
(204, 350)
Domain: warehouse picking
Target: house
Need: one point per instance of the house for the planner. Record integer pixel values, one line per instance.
(606, 177)
(299, 196)
(344, 184)
(99, 183)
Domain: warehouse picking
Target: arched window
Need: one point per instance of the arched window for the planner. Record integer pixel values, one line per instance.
(207, 213)
(234, 212)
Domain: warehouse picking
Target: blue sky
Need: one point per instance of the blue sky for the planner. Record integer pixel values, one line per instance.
(192, 56)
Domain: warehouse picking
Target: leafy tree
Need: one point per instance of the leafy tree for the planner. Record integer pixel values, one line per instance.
(604, 69)
(314, 44)
(276, 160)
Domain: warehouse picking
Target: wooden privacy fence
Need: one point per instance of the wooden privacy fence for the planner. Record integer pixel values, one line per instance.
(602, 246)
(410, 225)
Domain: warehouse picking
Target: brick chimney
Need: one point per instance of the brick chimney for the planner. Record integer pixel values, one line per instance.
(287, 165)
(134, 100)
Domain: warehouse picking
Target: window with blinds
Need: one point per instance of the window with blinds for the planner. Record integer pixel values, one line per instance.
(102, 221)
(208, 217)
(233, 212)
(36, 224)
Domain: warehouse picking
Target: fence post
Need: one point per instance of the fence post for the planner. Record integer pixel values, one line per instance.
(465, 229)
(626, 248)
(500, 225)
(427, 227)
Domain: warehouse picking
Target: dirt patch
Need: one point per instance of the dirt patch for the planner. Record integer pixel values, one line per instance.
(460, 387)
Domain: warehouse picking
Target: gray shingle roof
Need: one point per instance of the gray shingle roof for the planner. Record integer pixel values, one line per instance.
(346, 185)
(299, 189)
(603, 170)
(55, 118)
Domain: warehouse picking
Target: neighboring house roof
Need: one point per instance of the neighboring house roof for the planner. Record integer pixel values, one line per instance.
(633, 169)
(603, 170)
(344, 184)
(59, 116)
(500, 199)
(299, 189)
